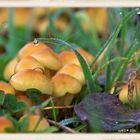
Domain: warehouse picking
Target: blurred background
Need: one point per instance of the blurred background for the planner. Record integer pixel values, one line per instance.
(88, 28)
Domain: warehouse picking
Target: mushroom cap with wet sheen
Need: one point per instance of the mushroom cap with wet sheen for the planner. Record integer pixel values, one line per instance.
(74, 71)
(6, 88)
(30, 48)
(48, 59)
(29, 79)
(10, 68)
(29, 62)
(63, 84)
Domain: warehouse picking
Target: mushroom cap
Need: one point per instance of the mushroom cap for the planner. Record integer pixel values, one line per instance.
(47, 58)
(6, 88)
(5, 123)
(123, 94)
(10, 68)
(33, 120)
(74, 71)
(86, 55)
(68, 57)
(63, 83)
(30, 48)
(28, 79)
(29, 62)
(23, 98)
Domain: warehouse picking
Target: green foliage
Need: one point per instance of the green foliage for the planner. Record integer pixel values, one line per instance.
(9, 104)
(34, 95)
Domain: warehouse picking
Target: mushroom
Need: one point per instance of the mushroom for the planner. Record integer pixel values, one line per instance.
(48, 59)
(10, 68)
(4, 124)
(74, 71)
(63, 83)
(69, 57)
(28, 79)
(6, 88)
(30, 48)
(86, 55)
(67, 86)
(123, 94)
(33, 121)
(21, 97)
(29, 62)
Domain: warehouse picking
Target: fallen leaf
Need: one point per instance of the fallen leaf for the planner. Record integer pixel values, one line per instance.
(104, 112)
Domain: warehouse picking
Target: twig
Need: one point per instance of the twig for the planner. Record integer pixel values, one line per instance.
(65, 128)
(58, 107)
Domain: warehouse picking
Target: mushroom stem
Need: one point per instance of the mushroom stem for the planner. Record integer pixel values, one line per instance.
(68, 99)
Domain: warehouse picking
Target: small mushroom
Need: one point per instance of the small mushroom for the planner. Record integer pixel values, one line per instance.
(86, 55)
(74, 71)
(21, 97)
(123, 94)
(10, 69)
(6, 88)
(28, 79)
(69, 57)
(48, 59)
(30, 48)
(4, 124)
(33, 120)
(29, 62)
(63, 84)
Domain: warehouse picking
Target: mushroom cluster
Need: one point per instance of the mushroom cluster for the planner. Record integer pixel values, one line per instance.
(38, 66)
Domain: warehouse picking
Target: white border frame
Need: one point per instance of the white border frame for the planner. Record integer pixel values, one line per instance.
(69, 3)
(69, 136)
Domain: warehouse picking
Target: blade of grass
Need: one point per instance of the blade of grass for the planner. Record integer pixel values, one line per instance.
(108, 63)
(109, 43)
(10, 45)
(119, 71)
(54, 112)
(108, 77)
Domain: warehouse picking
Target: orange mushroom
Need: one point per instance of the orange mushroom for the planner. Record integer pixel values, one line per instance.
(123, 94)
(32, 122)
(4, 124)
(47, 58)
(63, 84)
(28, 79)
(30, 48)
(10, 68)
(6, 88)
(74, 71)
(29, 62)
(69, 57)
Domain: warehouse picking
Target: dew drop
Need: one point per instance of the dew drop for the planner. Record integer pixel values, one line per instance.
(36, 42)
(138, 13)
(120, 13)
